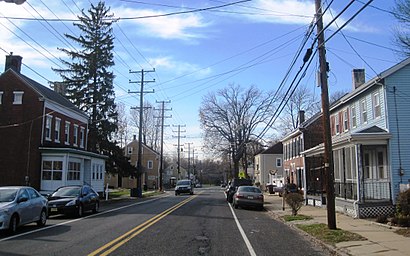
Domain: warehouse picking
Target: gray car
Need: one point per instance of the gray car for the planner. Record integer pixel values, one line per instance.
(21, 205)
(248, 196)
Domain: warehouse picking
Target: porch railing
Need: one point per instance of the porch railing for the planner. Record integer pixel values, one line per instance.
(371, 190)
(346, 190)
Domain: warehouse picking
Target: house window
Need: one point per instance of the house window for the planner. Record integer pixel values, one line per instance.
(353, 115)
(67, 133)
(74, 171)
(337, 123)
(363, 109)
(129, 150)
(1, 98)
(57, 130)
(278, 162)
(82, 134)
(18, 98)
(345, 120)
(52, 170)
(48, 127)
(381, 165)
(150, 164)
(75, 135)
(376, 105)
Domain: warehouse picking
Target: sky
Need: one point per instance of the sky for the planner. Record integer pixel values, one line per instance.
(199, 47)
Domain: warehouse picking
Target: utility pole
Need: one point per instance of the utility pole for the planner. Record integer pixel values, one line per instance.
(179, 147)
(141, 92)
(161, 165)
(328, 156)
(189, 162)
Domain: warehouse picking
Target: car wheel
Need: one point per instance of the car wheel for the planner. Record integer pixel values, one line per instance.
(96, 207)
(191, 193)
(176, 193)
(43, 219)
(80, 211)
(13, 225)
(235, 205)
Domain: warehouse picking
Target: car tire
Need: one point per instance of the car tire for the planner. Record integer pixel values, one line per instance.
(43, 219)
(13, 224)
(236, 206)
(191, 193)
(80, 211)
(176, 193)
(96, 207)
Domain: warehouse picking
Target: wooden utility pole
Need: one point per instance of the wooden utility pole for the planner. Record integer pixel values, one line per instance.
(328, 156)
(161, 164)
(189, 156)
(141, 92)
(179, 147)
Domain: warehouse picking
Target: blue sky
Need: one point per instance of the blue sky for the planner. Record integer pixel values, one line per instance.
(249, 43)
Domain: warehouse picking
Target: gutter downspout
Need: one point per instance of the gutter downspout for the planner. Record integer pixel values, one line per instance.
(355, 206)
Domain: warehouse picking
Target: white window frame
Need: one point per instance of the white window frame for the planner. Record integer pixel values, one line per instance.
(363, 111)
(57, 129)
(74, 170)
(129, 150)
(1, 97)
(337, 123)
(49, 120)
(67, 133)
(75, 135)
(353, 116)
(278, 162)
(18, 97)
(345, 120)
(377, 110)
(150, 164)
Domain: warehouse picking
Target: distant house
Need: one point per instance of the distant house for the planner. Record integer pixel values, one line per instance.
(43, 136)
(309, 134)
(150, 162)
(171, 175)
(269, 166)
(371, 142)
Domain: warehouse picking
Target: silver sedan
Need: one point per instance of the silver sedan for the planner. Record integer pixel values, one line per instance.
(19, 206)
(248, 196)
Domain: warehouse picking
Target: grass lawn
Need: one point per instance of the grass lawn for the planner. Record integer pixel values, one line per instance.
(323, 233)
(297, 217)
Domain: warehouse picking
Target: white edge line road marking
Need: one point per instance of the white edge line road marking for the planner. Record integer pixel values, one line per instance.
(86, 217)
(245, 238)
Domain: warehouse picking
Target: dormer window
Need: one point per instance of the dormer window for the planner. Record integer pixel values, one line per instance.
(18, 98)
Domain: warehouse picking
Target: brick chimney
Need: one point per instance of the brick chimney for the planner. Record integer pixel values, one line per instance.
(358, 76)
(301, 116)
(13, 62)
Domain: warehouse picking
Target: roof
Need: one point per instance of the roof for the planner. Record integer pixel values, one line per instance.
(275, 149)
(48, 94)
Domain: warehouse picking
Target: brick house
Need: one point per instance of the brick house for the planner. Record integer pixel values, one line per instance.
(44, 136)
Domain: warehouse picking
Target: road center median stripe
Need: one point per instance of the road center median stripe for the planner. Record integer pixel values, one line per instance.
(116, 243)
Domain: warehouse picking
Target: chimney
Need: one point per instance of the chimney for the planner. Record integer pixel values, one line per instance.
(358, 77)
(13, 62)
(135, 137)
(301, 116)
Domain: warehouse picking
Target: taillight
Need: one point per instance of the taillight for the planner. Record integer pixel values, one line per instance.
(260, 197)
(239, 196)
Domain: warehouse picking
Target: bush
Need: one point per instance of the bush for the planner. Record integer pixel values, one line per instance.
(295, 201)
(403, 203)
(381, 219)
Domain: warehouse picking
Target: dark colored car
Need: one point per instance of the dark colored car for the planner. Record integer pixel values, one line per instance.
(73, 200)
(184, 186)
(248, 196)
(288, 188)
(233, 186)
(21, 205)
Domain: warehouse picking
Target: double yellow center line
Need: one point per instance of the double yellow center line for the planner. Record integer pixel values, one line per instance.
(116, 243)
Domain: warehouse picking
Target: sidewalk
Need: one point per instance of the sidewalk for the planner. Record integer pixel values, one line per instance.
(381, 239)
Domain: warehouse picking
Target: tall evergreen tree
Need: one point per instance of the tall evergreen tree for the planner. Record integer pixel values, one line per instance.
(87, 80)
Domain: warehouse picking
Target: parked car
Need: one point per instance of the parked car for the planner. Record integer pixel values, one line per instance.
(21, 205)
(233, 186)
(288, 188)
(73, 200)
(248, 196)
(184, 186)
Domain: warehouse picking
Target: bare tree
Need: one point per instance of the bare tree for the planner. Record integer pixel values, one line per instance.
(230, 116)
(402, 13)
(301, 100)
(123, 130)
(150, 125)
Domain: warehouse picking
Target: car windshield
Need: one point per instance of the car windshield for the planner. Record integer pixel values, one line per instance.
(249, 189)
(183, 182)
(67, 191)
(7, 195)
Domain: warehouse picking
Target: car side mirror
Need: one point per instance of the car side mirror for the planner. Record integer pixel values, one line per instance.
(22, 199)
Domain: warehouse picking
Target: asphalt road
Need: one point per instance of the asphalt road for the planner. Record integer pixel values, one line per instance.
(202, 224)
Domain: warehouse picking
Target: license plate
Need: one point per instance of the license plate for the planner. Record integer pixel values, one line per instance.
(250, 197)
(53, 209)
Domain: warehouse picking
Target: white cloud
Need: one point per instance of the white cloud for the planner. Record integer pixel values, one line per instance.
(178, 67)
(167, 27)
